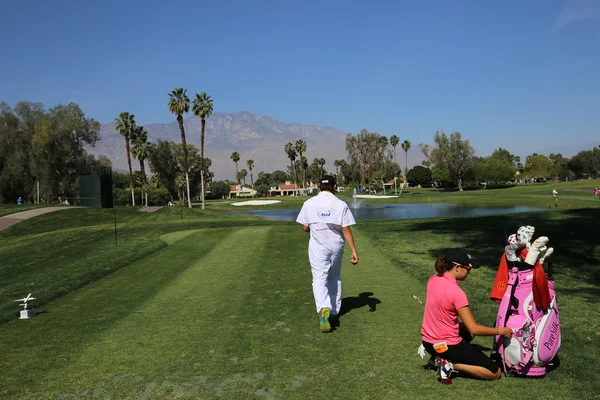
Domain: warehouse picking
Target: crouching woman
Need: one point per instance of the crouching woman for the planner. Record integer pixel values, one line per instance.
(447, 341)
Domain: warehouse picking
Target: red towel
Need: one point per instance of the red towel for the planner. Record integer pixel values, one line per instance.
(501, 281)
(541, 292)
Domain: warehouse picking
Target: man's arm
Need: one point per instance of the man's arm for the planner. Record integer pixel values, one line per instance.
(305, 228)
(347, 231)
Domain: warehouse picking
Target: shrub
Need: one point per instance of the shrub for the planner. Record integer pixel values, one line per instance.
(261, 190)
(122, 197)
(419, 175)
(158, 197)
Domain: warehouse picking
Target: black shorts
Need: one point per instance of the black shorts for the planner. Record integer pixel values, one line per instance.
(464, 353)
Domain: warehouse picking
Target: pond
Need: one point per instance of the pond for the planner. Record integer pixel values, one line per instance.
(400, 211)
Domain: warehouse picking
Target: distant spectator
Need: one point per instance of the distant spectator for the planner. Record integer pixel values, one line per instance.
(19, 200)
(596, 193)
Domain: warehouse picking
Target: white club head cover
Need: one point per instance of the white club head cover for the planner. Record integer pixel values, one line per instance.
(511, 251)
(536, 250)
(525, 234)
(547, 254)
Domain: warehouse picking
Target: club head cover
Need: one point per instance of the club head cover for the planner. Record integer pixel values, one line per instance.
(546, 254)
(536, 250)
(525, 234)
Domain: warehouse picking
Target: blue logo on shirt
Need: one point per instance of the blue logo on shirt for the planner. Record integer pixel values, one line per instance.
(324, 214)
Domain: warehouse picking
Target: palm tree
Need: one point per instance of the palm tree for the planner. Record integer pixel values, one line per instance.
(239, 176)
(394, 140)
(250, 165)
(322, 165)
(342, 164)
(337, 166)
(235, 157)
(301, 149)
(406, 147)
(291, 153)
(125, 126)
(202, 108)
(244, 174)
(383, 143)
(140, 148)
(180, 182)
(179, 104)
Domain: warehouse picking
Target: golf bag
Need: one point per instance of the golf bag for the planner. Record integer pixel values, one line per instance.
(536, 331)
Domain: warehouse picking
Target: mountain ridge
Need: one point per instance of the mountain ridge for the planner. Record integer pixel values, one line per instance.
(257, 137)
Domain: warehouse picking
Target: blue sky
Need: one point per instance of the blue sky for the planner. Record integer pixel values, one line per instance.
(523, 75)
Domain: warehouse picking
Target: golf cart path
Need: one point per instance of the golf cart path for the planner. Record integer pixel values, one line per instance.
(11, 219)
(150, 209)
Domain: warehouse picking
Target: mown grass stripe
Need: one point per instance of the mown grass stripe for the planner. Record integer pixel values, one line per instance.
(81, 316)
(176, 326)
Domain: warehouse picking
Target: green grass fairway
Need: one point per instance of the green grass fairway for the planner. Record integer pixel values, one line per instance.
(207, 305)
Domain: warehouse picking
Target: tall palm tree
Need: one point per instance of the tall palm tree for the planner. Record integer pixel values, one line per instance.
(291, 153)
(179, 104)
(202, 108)
(394, 140)
(244, 174)
(406, 147)
(126, 126)
(140, 148)
(250, 165)
(301, 149)
(235, 157)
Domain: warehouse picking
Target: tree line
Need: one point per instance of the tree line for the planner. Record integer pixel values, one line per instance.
(46, 147)
(451, 161)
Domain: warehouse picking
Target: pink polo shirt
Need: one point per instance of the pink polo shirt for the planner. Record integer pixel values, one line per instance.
(440, 320)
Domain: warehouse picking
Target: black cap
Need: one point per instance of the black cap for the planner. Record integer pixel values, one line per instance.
(328, 180)
(462, 258)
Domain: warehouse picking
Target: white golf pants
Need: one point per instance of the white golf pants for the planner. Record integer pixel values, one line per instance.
(326, 266)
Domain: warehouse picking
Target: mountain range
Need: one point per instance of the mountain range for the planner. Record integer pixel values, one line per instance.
(256, 137)
(262, 139)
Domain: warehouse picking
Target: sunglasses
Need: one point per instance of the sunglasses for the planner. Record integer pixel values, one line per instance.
(462, 266)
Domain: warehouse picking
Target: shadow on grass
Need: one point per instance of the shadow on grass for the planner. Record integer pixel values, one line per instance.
(363, 299)
(572, 233)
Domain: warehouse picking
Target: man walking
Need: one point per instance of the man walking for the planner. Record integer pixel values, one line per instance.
(328, 219)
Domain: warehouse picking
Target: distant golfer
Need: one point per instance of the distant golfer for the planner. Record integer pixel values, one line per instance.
(328, 220)
(555, 194)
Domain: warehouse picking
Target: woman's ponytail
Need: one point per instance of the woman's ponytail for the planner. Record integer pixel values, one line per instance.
(441, 265)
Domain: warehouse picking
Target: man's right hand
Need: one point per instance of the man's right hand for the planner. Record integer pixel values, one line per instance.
(354, 258)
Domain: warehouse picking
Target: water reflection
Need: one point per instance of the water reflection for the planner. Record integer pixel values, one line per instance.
(400, 211)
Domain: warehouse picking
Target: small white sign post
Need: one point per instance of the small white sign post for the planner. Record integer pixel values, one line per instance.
(25, 312)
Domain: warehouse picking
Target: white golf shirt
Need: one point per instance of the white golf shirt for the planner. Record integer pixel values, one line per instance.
(326, 215)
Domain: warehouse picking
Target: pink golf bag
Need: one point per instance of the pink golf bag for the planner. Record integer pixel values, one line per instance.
(536, 332)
